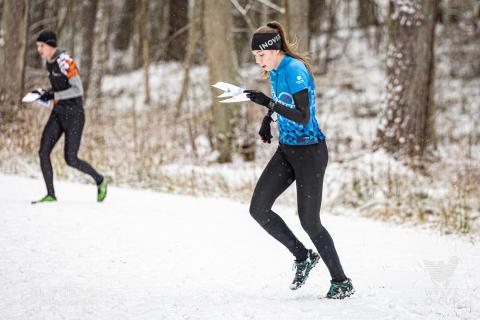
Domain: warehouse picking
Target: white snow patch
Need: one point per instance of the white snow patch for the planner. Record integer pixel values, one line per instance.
(147, 255)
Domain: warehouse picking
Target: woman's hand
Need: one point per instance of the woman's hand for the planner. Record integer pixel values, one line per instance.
(265, 131)
(258, 97)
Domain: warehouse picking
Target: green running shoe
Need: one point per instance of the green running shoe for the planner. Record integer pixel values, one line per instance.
(102, 191)
(46, 199)
(303, 268)
(340, 290)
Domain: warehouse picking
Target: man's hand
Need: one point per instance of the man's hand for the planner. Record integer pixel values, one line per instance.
(47, 95)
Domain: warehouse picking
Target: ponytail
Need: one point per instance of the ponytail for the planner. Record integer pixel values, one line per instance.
(289, 48)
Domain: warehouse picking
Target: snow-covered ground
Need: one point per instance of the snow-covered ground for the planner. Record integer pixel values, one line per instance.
(147, 255)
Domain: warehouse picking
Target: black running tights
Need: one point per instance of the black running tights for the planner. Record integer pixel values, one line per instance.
(68, 120)
(306, 165)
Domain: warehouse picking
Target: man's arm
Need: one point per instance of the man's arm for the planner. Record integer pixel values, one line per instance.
(75, 90)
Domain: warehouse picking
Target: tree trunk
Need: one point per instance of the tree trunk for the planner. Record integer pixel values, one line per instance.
(124, 26)
(36, 25)
(101, 53)
(145, 40)
(70, 29)
(193, 36)
(316, 12)
(159, 21)
(221, 67)
(51, 14)
(367, 13)
(13, 56)
(298, 23)
(177, 32)
(88, 18)
(406, 127)
(1, 12)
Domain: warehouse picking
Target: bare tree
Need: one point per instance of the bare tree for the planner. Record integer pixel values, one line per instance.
(1, 11)
(124, 26)
(297, 12)
(36, 25)
(406, 127)
(178, 24)
(193, 36)
(159, 21)
(12, 56)
(367, 13)
(88, 18)
(100, 53)
(316, 12)
(145, 41)
(221, 67)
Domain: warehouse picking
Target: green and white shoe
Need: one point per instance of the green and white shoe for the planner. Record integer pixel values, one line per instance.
(340, 290)
(102, 191)
(303, 268)
(48, 198)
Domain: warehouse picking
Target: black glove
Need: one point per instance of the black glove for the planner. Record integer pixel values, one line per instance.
(45, 95)
(258, 97)
(265, 132)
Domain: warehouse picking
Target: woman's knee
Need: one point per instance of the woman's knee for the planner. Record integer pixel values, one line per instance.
(312, 228)
(259, 211)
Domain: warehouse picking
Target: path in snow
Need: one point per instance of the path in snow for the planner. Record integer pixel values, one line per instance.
(147, 255)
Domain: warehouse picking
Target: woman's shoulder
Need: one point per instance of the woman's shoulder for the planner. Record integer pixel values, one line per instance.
(296, 64)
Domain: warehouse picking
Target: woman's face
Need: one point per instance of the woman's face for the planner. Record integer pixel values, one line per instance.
(267, 59)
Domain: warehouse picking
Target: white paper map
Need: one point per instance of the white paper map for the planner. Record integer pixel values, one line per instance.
(30, 97)
(35, 97)
(229, 90)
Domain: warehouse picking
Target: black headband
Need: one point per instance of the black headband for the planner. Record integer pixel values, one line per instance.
(266, 41)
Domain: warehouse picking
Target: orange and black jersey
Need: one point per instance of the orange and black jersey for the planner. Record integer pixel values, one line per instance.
(64, 77)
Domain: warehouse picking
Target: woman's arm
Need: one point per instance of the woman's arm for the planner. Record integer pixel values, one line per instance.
(301, 112)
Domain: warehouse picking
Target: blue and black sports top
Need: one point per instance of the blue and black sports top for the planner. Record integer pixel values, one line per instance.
(290, 77)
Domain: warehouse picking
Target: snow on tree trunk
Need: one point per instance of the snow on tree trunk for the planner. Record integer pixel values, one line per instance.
(222, 66)
(13, 42)
(406, 125)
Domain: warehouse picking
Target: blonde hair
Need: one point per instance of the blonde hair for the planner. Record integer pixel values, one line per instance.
(289, 48)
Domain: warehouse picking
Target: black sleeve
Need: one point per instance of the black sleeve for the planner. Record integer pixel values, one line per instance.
(301, 112)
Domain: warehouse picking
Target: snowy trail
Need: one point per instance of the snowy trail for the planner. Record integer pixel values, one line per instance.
(147, 255)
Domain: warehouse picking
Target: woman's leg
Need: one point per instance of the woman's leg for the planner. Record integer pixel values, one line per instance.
(310, 163)
(51, 134)
(275, 179)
